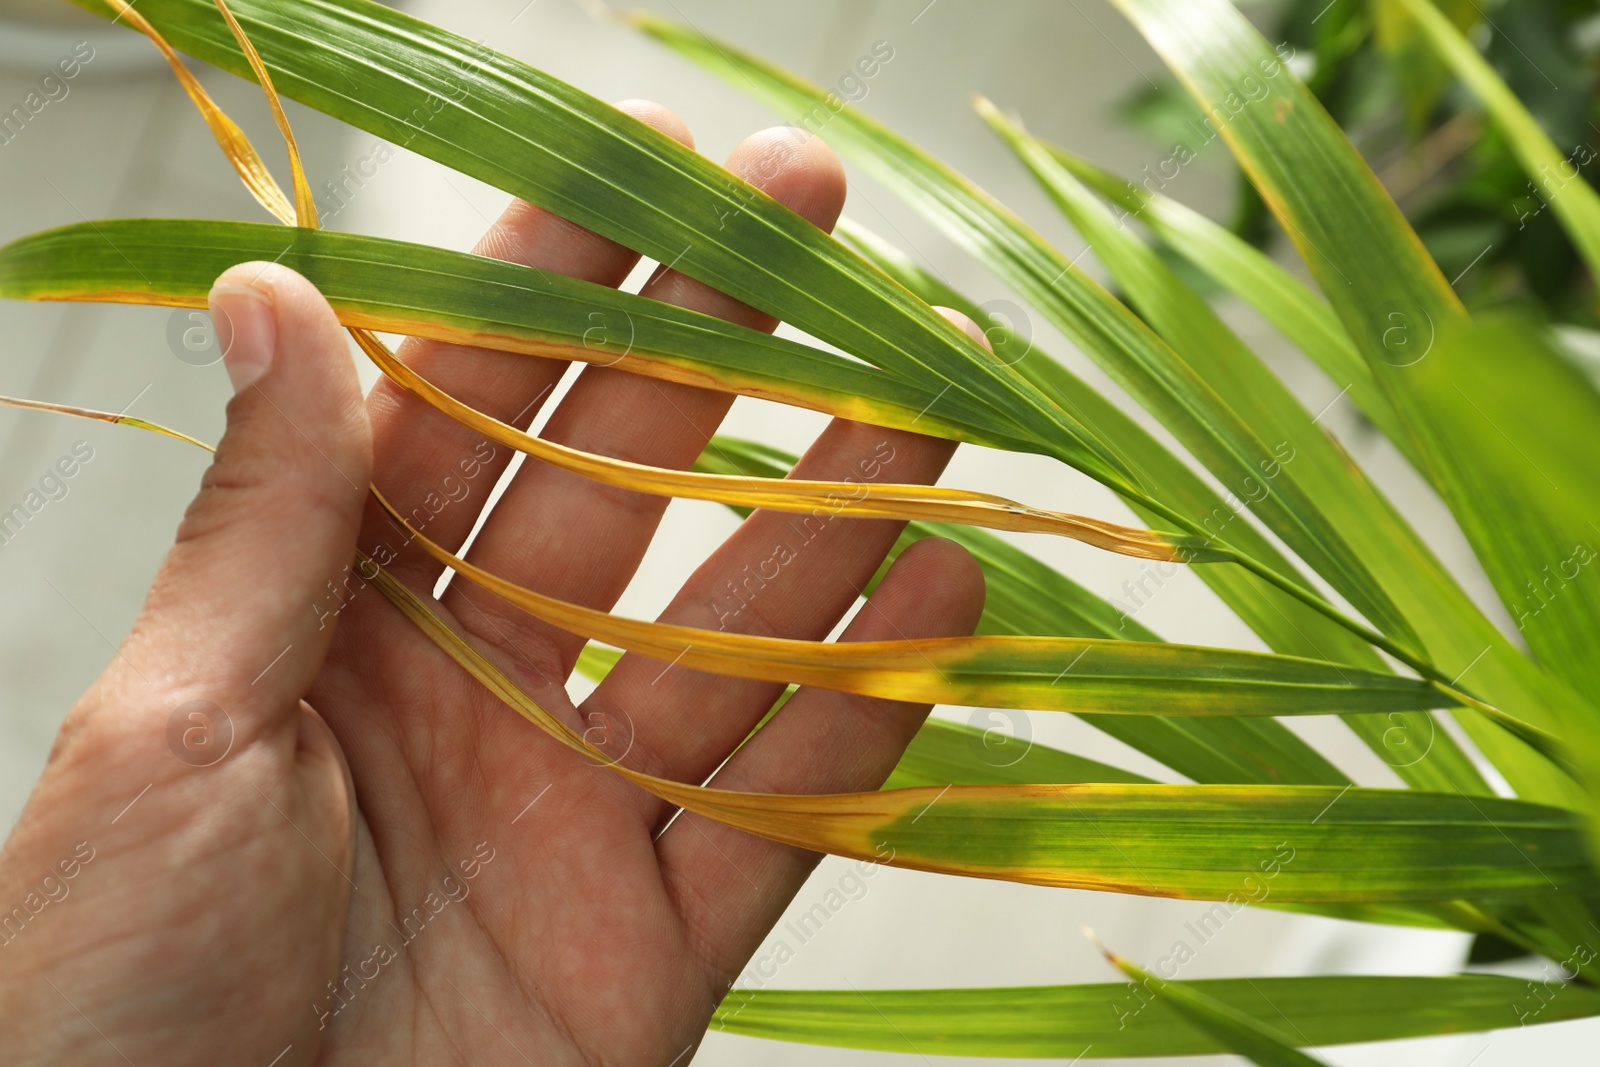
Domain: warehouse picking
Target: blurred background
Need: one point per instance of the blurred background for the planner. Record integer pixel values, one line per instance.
(123, 140)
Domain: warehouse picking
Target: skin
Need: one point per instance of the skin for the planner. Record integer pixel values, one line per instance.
(481, 894)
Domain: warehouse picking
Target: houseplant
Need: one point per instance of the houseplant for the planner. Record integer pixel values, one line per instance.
(1266, 806)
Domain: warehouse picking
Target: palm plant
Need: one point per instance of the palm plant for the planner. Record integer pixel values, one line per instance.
(1363, 620)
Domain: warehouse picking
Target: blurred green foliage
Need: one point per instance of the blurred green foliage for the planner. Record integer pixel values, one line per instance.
(1482, 218)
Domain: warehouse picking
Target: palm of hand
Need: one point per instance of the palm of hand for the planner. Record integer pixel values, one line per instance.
(416, 874)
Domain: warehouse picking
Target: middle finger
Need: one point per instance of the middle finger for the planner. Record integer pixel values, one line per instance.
(437, 471)
(569, 537)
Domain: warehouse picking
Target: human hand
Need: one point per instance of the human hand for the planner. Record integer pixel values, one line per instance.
(411, 872)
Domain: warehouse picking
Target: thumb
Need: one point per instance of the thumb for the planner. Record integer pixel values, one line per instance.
(233, 617)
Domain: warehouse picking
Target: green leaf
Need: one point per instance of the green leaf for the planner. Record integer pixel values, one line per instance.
(1395, 304)
(1299, 313)
(495, 118)
(1211, 750)
(453, 296)
(945, 753)
(1506, 415)
(166, 262)
(1023, 596)
(1386, 290)
(469, 107)
(1535, 410)
(1374, 529)
(1103, 1021)
(1419, 751)
(1237, 1031)
(514, 127)
(1047, 673)
(1104, 329)
(1238, 845)
(1365, 256)
(1286, 624)
(1220, 842)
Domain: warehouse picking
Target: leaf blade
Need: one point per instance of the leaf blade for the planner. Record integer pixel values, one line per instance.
(992, 671)
(1023, 596)
(1384, 287)
(452, 296)
(1410, 743)
(1109, 1020)
(1298, 312)
(1102, 328)
(1255, 1039)
(519, 129)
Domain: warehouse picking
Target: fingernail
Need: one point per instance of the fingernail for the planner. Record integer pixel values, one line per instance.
(247, 331)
